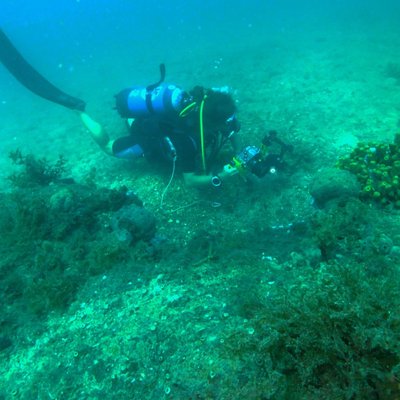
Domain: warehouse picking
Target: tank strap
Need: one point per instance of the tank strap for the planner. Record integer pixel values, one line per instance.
(149, 104)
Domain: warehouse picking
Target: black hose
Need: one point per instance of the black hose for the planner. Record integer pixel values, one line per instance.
(161, 80)
(31, 79)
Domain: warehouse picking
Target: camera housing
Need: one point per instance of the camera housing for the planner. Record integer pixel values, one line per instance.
(257, 160)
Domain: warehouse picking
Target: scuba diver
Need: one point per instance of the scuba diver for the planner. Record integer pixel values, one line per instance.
(188, 130)
(166, 124)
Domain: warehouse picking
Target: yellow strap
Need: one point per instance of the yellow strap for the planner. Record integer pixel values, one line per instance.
(202, 144)
(187, 109)
(185, 112)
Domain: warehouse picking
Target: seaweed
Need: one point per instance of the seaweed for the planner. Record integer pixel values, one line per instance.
(36, 171)
(329, 334)
(56, 237)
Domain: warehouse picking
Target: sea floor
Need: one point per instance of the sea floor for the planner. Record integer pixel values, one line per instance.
(252, 291)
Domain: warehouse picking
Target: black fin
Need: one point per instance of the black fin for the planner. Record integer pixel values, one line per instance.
(31, 79)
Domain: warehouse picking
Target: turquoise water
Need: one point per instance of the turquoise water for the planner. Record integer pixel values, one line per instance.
(281, 287)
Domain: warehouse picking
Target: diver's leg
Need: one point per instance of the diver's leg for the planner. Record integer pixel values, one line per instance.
(124, 147)
(127, 147)
(98, 133)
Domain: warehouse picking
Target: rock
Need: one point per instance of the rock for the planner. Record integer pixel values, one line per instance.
(333, 184)
(132, 223)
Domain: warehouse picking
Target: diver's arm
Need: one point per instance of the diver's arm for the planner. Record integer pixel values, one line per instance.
(98, 133)
(200, 181)
(197, 181)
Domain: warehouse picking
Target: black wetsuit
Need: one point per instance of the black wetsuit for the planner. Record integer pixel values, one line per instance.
(154, 135)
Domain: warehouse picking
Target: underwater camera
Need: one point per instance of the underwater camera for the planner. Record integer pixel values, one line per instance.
(258, 160)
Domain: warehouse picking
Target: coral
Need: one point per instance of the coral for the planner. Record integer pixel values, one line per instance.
(377, 168)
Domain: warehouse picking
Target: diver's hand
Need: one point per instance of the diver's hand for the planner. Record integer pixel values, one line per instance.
(223, 175)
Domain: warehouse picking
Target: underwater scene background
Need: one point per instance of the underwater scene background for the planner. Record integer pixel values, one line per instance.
(281, 287)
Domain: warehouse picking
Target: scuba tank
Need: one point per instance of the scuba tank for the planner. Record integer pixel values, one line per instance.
(138, 101)
(159, 98)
